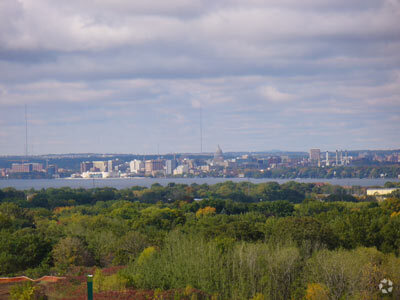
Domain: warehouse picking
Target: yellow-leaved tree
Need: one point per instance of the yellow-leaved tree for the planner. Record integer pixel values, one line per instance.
(317, 291)
(206, 211)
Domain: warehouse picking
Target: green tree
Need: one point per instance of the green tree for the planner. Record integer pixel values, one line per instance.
(21, 249)
(71, 251)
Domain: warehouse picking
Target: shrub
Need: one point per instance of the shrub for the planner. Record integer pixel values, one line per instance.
(352, 274)
(71, 251)
(146, 255)
(239, 272)
(27, 291)
(103, 283)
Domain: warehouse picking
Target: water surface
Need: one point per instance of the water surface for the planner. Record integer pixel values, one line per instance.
(121, 183)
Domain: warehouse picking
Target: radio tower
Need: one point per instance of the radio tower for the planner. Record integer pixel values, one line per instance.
(201, 130)
(26, 132)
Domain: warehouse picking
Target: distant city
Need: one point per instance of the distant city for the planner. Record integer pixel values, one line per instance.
(315, 163)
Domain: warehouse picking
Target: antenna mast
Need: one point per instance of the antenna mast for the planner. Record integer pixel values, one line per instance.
(26, 132)
(201, 130)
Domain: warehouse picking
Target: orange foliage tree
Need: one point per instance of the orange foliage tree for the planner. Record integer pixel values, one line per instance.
(206, 211)
(317, 291)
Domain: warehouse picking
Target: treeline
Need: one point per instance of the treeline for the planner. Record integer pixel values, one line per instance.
(375, 171)
(240, 241)
(246, 192)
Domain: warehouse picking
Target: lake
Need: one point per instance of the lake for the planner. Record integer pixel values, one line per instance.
(121, 183)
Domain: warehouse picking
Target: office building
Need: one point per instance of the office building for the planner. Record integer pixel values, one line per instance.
(315, 156)
(86, 166)
(110, 166)
(327, 159)
(153, 165)
(52, 170)
(26, 168)
(100, 166)
(136, 166)
(170, 166)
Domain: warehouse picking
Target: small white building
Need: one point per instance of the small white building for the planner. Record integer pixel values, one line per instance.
(92, 175)
(99, 175)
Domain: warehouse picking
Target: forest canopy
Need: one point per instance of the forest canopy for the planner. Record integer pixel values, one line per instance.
(234, 240)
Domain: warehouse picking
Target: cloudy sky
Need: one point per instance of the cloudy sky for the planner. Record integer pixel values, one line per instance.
(123, 76)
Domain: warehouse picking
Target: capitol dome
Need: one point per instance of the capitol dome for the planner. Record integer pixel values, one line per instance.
(218, 156)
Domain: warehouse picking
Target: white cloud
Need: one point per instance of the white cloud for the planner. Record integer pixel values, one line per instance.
(272, 94)
(51, 92)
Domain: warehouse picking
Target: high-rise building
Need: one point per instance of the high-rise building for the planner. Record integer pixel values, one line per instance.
(337, 157)
(86, 166)
(315, 156)
(170, 166)
(154, 165)
(327, 158)
(110, 166)
(51, 170)
(100, 166)
(136, 166)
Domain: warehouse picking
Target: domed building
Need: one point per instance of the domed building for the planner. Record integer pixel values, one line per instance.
(218, 156)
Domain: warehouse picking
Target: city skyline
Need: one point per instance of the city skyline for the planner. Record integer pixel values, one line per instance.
(185, 76)
(204, 153)
(234, 165)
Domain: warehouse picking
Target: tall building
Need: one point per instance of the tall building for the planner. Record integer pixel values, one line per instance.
(86, 166)
(337, 157)
(327, 158)
(110, 166)
(315, 156)
(101, 166)
(154, 165)
(136, 166)
(170, 166)
(51, 170)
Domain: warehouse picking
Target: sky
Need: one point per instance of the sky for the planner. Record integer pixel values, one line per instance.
(115, 76)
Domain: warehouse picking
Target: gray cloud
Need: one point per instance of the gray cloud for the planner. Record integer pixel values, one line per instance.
(124, 76)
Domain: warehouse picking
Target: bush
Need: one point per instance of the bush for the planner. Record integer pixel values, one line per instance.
(238, 272)
(27, 291)
(352, 274)
(71, 251)
(103, 283)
